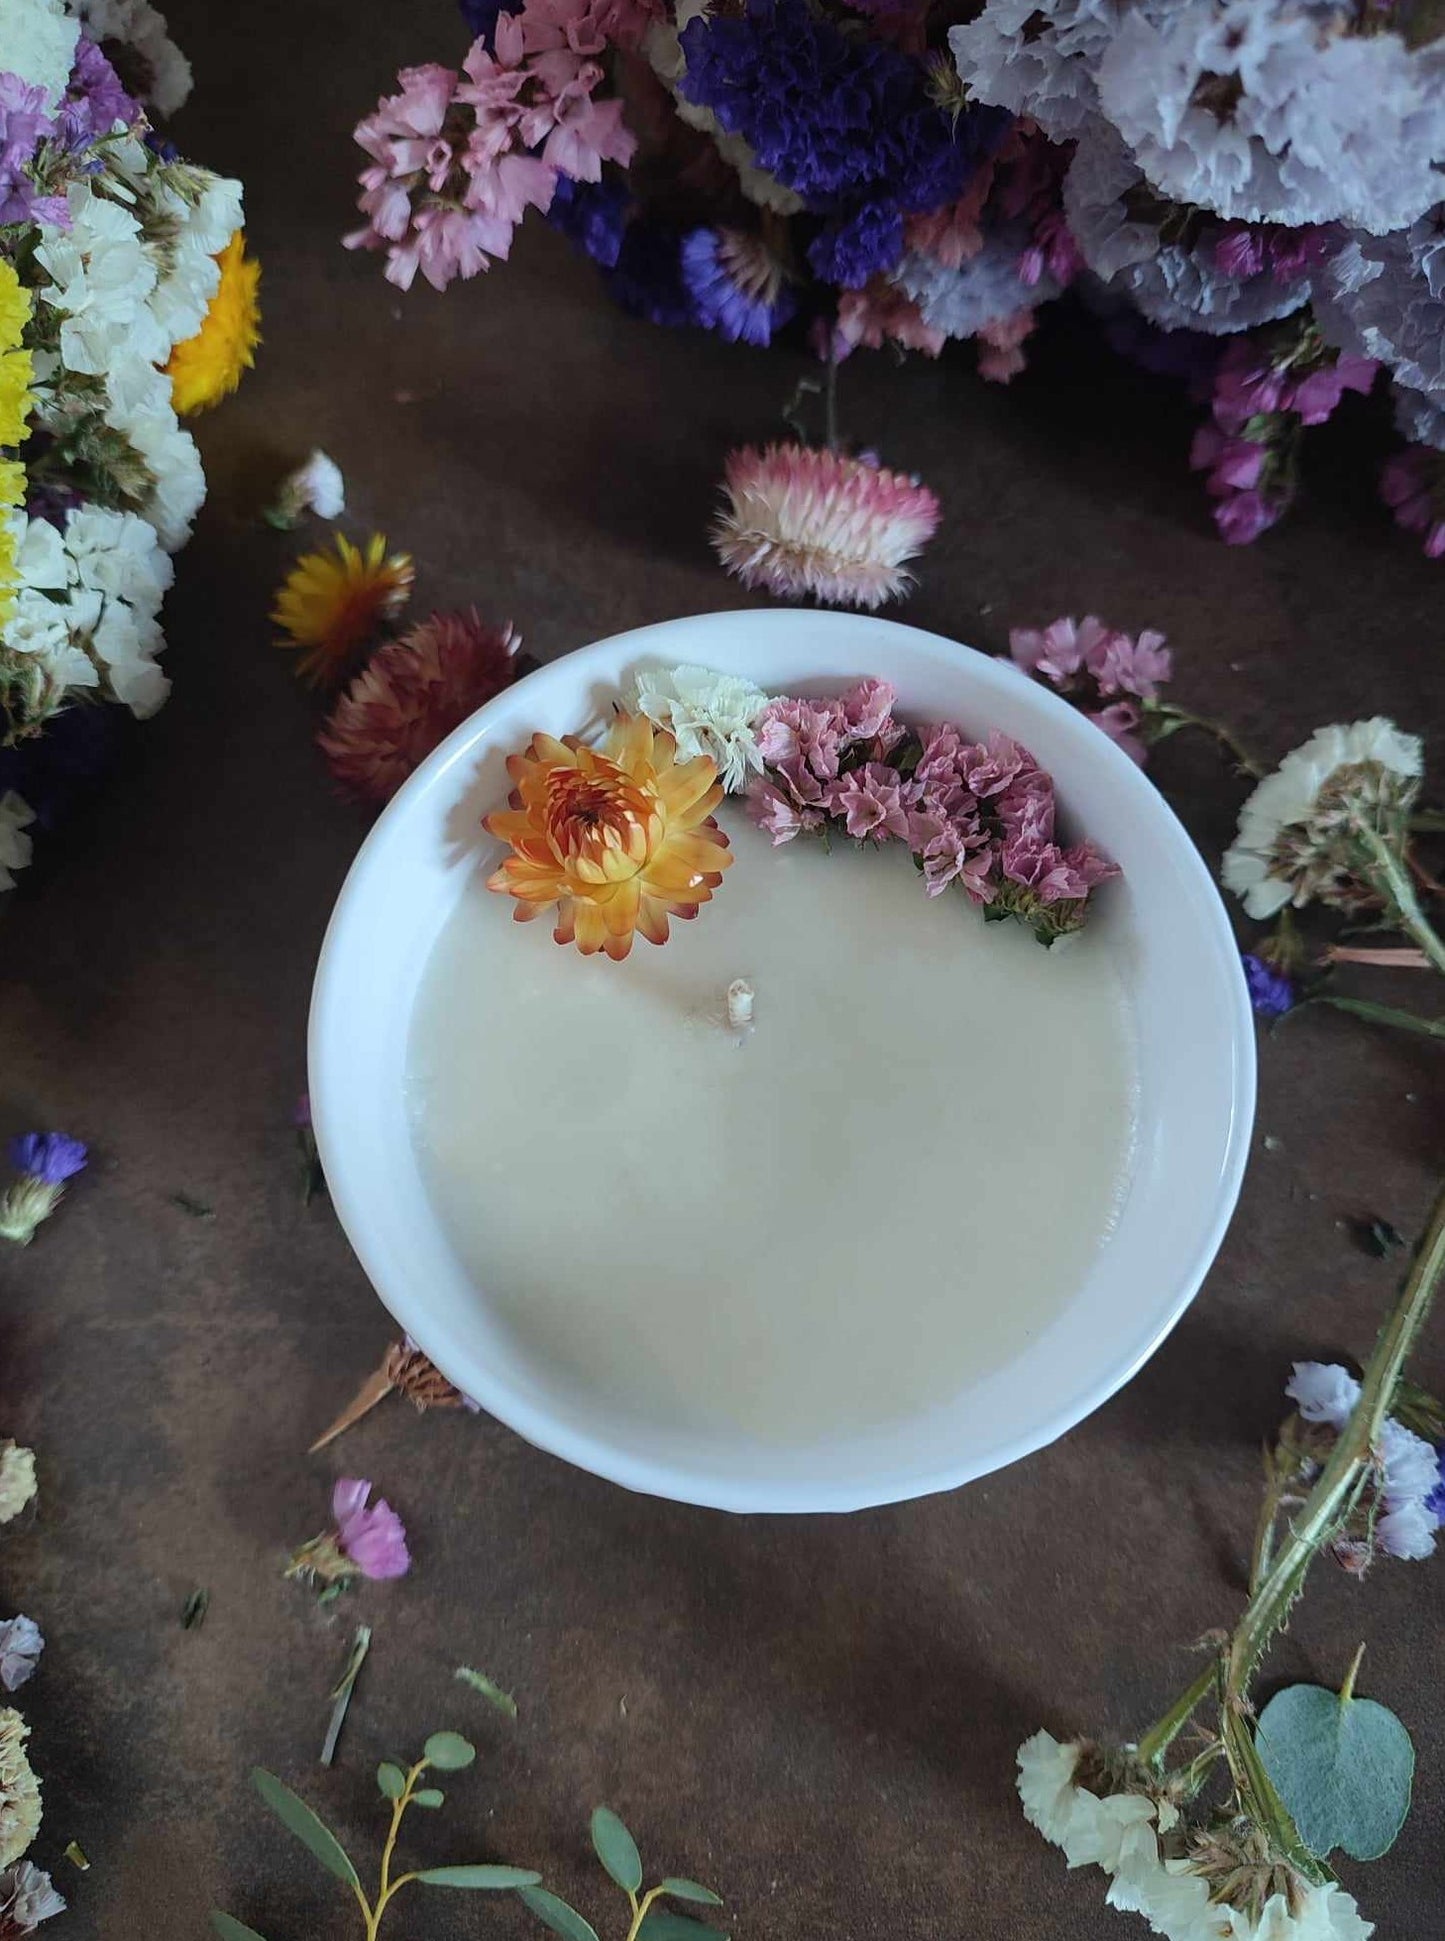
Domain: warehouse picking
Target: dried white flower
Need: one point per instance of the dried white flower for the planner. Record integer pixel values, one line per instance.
(19, 1789)
(740, 1003)
(1300, 832)
(27, 1898)
(317, 486)
(40, 42)
(17, 1479)
(706, 714)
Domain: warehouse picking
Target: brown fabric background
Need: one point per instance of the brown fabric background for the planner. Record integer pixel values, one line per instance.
(818, 1716)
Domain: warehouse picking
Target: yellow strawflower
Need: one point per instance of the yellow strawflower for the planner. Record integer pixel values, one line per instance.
(209, 366)
(329, 604)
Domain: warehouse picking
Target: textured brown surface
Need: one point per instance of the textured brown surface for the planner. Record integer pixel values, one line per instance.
(819, 1716)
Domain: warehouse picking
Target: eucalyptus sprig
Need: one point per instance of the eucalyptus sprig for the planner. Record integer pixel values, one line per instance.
(402, 1789)
(617, 1850)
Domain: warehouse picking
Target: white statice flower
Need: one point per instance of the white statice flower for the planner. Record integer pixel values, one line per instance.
(187, 216)
(1409, 1465)
(116, 553)
(1384, 297)
(664, 55)
(37, 631)
(1094, 1830)
(140, 407)
(1263, 110)
(982, 290)
(1322, 1391)
(100, 277)
(37, 42)
(16, 816)
(155, 68)
(1297, 831)
(1408, 1531)
(1036, 61)
(706, 714)
(1119, 224)
(317, 486)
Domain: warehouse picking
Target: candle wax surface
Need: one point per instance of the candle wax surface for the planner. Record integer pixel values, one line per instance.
(875, 1195)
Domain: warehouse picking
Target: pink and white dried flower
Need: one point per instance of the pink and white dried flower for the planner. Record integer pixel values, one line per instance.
(369, 1540)
(800, 521)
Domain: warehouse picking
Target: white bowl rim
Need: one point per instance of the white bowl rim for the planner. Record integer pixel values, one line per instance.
(701, 1486)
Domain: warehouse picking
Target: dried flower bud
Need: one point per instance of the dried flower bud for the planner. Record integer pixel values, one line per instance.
(420, 1380)
(740, 1003)
(17, 1480)
(19, 1789)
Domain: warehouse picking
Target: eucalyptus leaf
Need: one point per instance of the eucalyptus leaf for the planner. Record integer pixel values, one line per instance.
(296, 1816)
(554, 1912)
(391, 1779)
(661, 1924)
(230, 1929)
(616, 1849)
(489, 1689)
(449, 1751)
(1342, 1765)
(691, 1890)
(428, 1796)
(494, 1878)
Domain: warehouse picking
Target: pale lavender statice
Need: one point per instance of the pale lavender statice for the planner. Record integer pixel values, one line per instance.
(1036, 61)
(1383, 297)
(1264, 110)
(370, 1535)
(25, 121)
(1165, 258)
(1323, 1392)
(27, 1898)
(20, 1647)
(45, 1161)
(963, 300)
(95, 103)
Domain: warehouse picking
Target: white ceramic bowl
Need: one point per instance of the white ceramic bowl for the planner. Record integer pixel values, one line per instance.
(1195, 1046)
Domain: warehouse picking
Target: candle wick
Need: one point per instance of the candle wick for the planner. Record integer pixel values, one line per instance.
(740, 1004)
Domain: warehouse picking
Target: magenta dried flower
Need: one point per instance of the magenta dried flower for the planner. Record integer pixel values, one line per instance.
(369, 1540)
(45, 1161)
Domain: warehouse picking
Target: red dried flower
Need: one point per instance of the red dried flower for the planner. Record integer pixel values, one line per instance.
(410, 696)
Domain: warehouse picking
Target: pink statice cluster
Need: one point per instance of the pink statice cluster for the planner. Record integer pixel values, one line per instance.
(1108, 674)
(459, 158)
(1266, 389)
(980, 814)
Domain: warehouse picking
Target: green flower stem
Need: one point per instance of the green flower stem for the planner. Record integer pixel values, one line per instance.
(1391, 878)
(1383, 1014)
(1162, 1734)
(1172, 719)
(1344, 1472)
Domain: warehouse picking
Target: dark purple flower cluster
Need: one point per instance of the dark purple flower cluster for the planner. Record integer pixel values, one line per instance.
(592, 216)
(647, 277)
(845, 122)
(1271, 992)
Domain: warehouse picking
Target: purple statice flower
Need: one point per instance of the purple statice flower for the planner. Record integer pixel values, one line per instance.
(592, 216)
(866, 241)
(20, 1647)
(866, 710)
(1412, 484)
(1243, 516)
(44, 1161)
(26, 1899)
(24, 123)
(736, 284)
(49, 1157)
(1233, 464)
(647, 277)
(1271, 992)
(94, 101)
(370, 1536)
(838, 118)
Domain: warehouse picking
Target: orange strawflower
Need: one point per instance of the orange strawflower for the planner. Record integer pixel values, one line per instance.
(619, 839)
